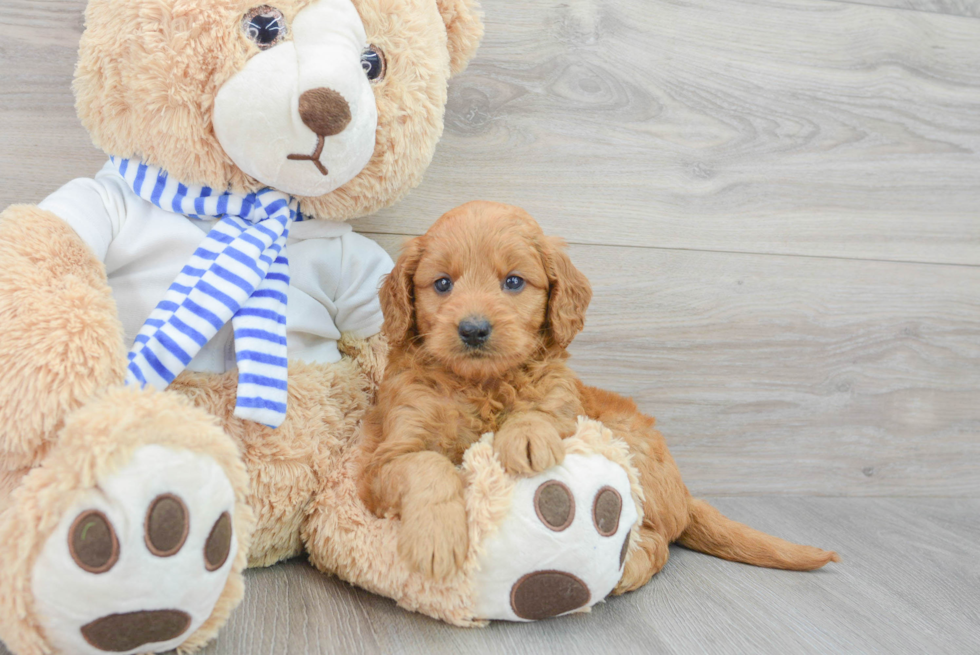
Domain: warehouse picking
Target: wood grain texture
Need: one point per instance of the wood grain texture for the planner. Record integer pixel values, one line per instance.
(42, 143)
(790, 374)
(798, 126)
(907, 584)
(952, 7)
(790, 126)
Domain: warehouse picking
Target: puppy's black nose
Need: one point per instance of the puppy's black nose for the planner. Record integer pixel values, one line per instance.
(474, 332)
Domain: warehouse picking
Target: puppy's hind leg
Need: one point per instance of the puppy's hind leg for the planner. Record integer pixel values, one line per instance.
(643, 561)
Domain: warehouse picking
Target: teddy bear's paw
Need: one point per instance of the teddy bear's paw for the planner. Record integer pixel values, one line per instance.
(562, 547)
(141, 560)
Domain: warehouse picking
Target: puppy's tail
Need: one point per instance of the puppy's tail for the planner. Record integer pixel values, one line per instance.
(712, 533)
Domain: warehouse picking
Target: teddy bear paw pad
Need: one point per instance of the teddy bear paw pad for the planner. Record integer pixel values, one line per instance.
(140, 561)
(563, 544)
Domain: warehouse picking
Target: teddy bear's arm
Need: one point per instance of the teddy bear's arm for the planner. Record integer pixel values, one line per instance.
(371, 354)
(93, 209)
(62, 341)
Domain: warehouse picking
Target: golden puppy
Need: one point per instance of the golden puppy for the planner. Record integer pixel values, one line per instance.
(478, 314)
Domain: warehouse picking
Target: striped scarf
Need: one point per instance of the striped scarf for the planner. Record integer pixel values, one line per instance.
(240, 273)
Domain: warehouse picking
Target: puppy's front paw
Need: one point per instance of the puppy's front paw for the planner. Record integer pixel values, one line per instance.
(526, 446)
(434, 539)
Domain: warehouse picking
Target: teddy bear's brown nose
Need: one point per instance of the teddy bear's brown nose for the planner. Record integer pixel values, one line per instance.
(324, 111)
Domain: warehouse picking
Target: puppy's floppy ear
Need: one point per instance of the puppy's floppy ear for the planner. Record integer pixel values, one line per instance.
(570, 293)
(397, 296)
(464, 26)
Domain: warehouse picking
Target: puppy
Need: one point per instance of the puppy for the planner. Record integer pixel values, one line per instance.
(478, 315)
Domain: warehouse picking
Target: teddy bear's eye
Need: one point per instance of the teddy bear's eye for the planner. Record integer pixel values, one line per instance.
(373, 63)
(265, 26)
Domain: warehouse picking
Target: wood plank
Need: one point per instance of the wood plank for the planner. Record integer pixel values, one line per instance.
(969, 8)
(42, 143)
(794, 126)
(907, 584)
(57, 22)
(772, 374)
(789, 126)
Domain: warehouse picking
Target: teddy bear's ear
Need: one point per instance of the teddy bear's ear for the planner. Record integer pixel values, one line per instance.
(464, 25)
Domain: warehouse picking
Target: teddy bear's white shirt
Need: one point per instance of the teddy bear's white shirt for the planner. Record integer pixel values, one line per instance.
(335, 272)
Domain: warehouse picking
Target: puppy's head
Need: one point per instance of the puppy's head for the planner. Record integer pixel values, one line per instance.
(484, 290)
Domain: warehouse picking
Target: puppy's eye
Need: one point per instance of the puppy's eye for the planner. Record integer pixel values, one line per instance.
(514, 283)
(265, 26)
(373, 63)
(443, 285)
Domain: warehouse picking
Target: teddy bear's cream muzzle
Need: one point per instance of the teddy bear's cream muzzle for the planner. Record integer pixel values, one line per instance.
(301, 115)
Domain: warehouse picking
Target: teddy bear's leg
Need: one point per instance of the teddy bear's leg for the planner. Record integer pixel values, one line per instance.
(130, 537)
(538, 546)
(563, 545)
(288, 466)
(370, 355)
(62, 341)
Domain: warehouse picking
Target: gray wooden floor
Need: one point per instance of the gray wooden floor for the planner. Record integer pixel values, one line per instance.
(908, 583)
(778, 203)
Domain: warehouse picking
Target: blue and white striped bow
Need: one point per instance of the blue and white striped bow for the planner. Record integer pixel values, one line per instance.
(240, 273)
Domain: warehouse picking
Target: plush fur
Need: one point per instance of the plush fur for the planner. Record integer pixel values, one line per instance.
(286, 466)
(62, 340)
(94, 443)
(441, 393)
(146, 82)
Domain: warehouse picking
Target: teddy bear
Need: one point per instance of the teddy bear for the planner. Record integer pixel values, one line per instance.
(191, 336)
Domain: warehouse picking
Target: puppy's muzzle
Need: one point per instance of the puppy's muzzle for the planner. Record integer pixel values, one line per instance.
(474, 331)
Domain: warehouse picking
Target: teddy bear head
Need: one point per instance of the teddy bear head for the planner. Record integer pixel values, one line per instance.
(339, 103)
